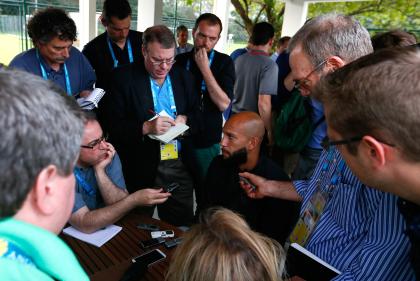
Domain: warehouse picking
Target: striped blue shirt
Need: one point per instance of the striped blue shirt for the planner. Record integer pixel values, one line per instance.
(361, 231)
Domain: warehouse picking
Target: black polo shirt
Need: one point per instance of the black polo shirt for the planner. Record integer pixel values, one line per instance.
(99, 55)
(210, 117)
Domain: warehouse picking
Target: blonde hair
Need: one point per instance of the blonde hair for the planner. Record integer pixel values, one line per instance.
(223, 248)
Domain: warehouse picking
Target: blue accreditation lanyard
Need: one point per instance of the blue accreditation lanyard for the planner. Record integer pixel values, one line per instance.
(83, 183)
(13, 252)
(45, 76)
(111, 50)
(156, 91)
(203, 83)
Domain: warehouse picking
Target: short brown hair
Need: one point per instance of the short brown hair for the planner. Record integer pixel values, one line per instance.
(160, 34)
(223, 247)
(377, 95)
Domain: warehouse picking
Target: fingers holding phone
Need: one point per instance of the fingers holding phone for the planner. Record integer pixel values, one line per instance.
(252, 184)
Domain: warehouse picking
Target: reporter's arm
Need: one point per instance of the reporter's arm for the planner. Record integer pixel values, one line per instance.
(89, 221)
(269, 188)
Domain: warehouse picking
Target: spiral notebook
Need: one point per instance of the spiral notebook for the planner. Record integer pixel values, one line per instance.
(91, 101)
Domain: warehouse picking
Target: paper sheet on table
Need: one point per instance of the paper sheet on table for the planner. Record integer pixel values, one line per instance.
(97, 238)
(172, 133)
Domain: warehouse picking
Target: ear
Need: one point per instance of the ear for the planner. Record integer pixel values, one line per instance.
(253, 143)
(334, 63)
(103, 21)
(143, 50)
(44, 190)
(374, 150)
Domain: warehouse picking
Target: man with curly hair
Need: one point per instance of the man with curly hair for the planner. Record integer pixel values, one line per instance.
(54, 58)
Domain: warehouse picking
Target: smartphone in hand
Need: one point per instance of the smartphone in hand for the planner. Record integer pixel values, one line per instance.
(245, 180)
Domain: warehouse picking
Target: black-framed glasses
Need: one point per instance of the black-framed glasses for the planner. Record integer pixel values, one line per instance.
(305, 81)
(326, 143)
(94, 143)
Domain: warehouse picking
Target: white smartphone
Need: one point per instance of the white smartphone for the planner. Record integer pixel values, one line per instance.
(150, 258)
(163, 234)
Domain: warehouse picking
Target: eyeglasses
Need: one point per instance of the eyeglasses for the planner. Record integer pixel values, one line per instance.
(305, 81)
(326, 143)
(169, 62)
(94, 143)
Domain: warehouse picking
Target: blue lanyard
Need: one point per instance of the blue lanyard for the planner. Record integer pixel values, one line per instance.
(338, 171)
(45, 76)
(203, 84)
(130, 52)
(155, 93)
(80, 180)
(13, 252)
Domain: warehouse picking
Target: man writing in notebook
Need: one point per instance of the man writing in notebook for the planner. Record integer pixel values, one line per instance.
(53, 57)
(101, 197)
(140, 91)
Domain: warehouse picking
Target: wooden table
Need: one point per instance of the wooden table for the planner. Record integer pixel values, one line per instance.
(110, 261)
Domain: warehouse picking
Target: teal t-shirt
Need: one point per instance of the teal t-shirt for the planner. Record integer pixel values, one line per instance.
(52, 258)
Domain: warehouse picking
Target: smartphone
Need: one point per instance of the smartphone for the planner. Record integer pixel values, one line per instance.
(150, 258)
(245, 180)
(172, 243)
(163, 234)
(171, 187)
(146, 226)
(151, 242)
(138, 268)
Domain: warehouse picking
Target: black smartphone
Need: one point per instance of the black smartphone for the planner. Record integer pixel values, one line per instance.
(146, 226)
(151, 242)
(150, 258)
(171, 187)
(139, 267)
(172, 243)
(245, 180)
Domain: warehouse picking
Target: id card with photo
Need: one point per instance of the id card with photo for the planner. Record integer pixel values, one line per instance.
(169, 151)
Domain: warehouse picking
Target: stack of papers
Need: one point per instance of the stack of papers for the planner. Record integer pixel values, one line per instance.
(97, 238)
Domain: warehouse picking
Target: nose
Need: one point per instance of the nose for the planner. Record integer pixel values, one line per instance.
(66, 53)
(223, 142)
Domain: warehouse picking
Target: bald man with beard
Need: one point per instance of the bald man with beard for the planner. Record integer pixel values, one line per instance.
(241, 144)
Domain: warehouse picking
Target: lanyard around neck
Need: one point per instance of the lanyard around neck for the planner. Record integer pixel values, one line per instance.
(83, 183)
(45, 76)
(156, 91)
(203, 83)
(111, 50)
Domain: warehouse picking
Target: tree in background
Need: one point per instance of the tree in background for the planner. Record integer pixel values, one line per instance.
(378, 15)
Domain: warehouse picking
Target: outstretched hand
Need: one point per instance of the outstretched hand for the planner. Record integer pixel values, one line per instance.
(150, 196)
(255, 189)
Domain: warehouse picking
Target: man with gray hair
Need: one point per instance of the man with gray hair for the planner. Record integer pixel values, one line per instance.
(355, 228)
(323, 45)
(41, 132)
(148, 98)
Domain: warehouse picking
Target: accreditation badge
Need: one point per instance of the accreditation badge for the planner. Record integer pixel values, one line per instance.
(169, 151)
(308, 220)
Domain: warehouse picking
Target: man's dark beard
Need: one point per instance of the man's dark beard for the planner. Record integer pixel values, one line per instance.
(238, 157)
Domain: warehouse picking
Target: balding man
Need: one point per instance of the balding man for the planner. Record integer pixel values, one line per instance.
(241, 143)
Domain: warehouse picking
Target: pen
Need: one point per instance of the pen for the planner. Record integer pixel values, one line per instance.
(154, 112)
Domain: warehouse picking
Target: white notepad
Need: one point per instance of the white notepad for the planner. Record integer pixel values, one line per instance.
(91, 101)
(97, 238)
(172, 133)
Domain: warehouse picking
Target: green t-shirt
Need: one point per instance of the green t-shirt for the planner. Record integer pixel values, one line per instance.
(52, 258)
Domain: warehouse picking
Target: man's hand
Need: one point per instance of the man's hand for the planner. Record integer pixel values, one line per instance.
(181, 119)
(201, 58)
(108, 153)
(84, 93)
(149, 196)
(259, 183)
(158, 126)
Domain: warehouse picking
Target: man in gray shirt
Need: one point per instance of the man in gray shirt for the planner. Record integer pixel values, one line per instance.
(256, 77)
